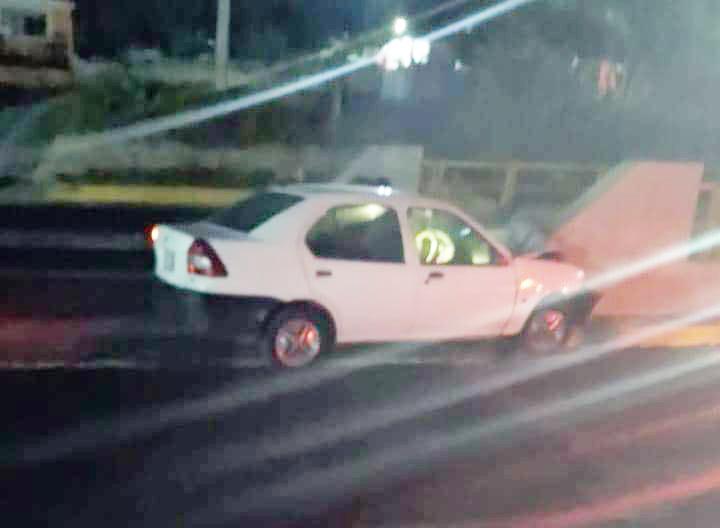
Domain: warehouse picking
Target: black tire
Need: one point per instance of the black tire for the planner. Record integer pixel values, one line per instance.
(547, 340)
(307, 320)
(507, 347)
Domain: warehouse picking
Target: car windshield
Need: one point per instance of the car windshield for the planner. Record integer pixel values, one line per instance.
(255, 211)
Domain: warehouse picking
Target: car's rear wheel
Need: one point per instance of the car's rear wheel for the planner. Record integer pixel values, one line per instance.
(547, 330)
(296, 336)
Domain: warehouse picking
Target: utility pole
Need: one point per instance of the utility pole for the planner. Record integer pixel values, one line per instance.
(222, 44)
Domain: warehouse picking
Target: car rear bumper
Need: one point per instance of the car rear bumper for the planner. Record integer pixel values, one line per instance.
(223, 316)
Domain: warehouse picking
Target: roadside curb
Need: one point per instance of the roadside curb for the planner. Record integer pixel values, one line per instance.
(73, 240)
(697, 335)
(145, 194)
(692, 336)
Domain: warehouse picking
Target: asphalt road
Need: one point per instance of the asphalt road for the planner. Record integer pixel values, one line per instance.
(137, 430)
(114, 419)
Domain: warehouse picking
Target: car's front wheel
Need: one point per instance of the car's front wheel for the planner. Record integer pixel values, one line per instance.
(547, 330)
(296, 336)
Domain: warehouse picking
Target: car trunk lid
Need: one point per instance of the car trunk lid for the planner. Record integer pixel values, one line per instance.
(174, 241)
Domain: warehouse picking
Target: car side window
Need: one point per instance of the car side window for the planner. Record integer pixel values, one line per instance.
(441, 238)
(367, 232)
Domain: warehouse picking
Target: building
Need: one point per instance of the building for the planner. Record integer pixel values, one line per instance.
(36, 45)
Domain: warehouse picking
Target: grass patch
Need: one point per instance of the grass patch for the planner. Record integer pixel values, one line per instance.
(109, 101)
(8, 181)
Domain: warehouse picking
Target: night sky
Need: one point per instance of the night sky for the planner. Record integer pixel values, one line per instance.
(109, 27)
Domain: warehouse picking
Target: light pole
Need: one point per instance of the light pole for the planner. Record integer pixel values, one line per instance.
(222, 44)
(404, 50)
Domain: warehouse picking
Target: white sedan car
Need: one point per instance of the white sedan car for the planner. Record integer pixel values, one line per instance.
(309, 266)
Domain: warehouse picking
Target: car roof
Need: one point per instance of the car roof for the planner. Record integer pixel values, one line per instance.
(331, 188)
(334, 194)
(341, 191)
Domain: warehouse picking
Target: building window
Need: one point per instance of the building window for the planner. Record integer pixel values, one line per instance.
(35, 26)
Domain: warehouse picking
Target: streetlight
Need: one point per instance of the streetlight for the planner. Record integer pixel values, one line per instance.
(400, 26)
(404, 50)
(397, 56)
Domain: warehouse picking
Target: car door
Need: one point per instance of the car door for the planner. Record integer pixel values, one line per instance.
(466, 287)
(355, 262)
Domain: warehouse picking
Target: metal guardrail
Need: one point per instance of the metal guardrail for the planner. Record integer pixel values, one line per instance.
(504, 180)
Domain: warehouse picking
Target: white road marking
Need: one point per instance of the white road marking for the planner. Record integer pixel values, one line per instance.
(237, 363)
(439, 358)
(114, 364)
(38, 239)
(75, 274)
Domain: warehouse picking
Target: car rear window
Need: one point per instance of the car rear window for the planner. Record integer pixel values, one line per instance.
(255, 211)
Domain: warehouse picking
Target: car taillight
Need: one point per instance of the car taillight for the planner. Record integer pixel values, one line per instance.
(152, 232)
(202, 260)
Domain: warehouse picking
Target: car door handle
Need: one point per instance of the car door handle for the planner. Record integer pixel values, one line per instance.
(434, 275)
(323, 273)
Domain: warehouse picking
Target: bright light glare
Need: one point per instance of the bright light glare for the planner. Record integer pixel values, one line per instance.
(371, 212)
(526, 284)
(360, 213)
(480, 258)
(421, 51)
(154, 233)
(400, 26)
(404, 51)
(384, 190)
(396, 53)
(674, 253)
(482, 16)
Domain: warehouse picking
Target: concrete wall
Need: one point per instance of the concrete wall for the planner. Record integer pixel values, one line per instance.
(400, 164)
(649, 206)
(642, 210)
